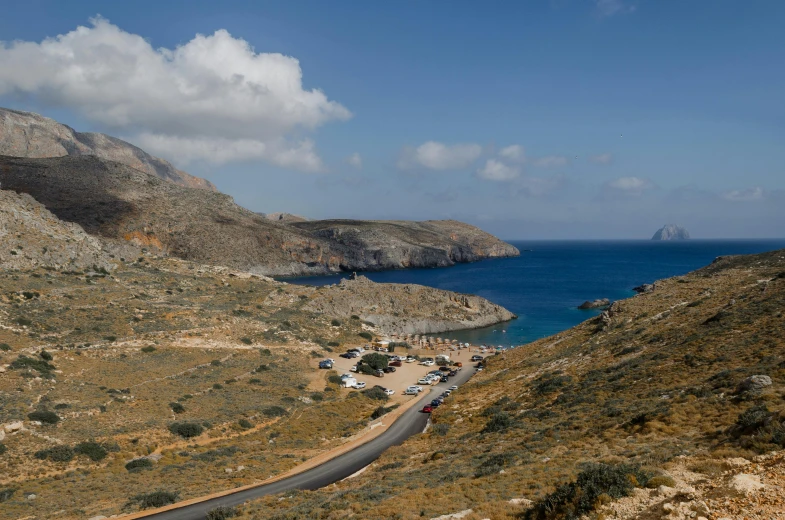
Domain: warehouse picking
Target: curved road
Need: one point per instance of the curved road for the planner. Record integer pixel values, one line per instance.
(412, 421)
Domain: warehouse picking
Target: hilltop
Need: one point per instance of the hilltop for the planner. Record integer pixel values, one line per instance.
(671, 232)
(114, 201)
(26, 134)
(677, 393)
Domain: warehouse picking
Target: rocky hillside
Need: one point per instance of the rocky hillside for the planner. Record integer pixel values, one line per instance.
(407, 308)
(25, 134)
(113, 200)
(671, 398)
(30, 236)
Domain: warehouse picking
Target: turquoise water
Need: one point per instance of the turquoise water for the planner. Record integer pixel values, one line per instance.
(550, 279)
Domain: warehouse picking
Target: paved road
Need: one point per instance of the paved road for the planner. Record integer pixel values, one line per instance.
(412, 421)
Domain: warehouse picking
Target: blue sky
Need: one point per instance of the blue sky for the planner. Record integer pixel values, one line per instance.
(552, 119)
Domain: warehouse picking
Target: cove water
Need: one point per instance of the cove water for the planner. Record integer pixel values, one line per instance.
(545, 285)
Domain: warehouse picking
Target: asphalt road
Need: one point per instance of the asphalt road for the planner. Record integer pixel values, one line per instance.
(412, 421)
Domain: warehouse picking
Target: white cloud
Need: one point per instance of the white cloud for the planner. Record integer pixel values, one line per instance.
(550, 161)
(749, 194)
(612, 7)
(355, 160)
(603, 158)
(497, 171)
(214, 91)
(634, 186)
(513, 152)
(439, 156)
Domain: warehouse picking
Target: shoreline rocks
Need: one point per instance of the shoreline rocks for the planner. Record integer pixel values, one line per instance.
(596, 304)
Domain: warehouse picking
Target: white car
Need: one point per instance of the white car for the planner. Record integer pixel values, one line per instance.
(414, 389)
(331, 360)
(354, 368)
(454, 388)
(427, 363)
(424, 381)
(359, 385)
(389, 391)
(410, 359)
(346, 376)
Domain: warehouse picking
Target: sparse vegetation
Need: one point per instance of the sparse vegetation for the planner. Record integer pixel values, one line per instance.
(154, 499)
(186, 430)
(44, 416)
(139, 464)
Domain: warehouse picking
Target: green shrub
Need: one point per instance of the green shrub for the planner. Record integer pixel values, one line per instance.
(335, 379)
(660, 480)
(44, 416)
(6, 494)
(499, 422)
(440, 429)
(155, 499)
(245, 424)
(186, 430)
(376, 361)
(217, 386)
(91, 449)
(265, 352)
(46, 356)
(381, 411)
(375, 393)
(221, 513)
(5, 347)
(215, 362)
(571, 501)
(317, 396)
(494, 464)
(335, 323)
(62, 406)
(59, 453)
(366, 335)
(254, 381)
(3, 449)
(39, 365)
(274, 411)
(247, 341)
(111, 339)
(139, 464)
(333, 344)
(366, 370)
(148, 349)
(177, 407)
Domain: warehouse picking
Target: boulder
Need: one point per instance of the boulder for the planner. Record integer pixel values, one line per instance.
(754, 384)
(596, 304)
(14, 426)
(744, 484)
(644, 288)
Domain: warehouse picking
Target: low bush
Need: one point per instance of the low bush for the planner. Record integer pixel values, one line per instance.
(265, 352)
(5, 347)
(245, 424)
(366, 335)
(334, 379)
(139, 464)
(375, 393)
(440, 429)
(148, 349)
(660, 480)
(274, 411)
(215, 362)
(335, 323)
(571, 501)
(499, 422)
(212, 455)
(333, 344)
(6, 494)
(91, 449)
(221, 513)
(44, 416)
(39, 365)
(494, 464)
(59, 453)
(381, 411)
(154, 499)
(186, 430)
(46, 356)
(317, 396)
(177, 407)
(3, 449)
(247, 341)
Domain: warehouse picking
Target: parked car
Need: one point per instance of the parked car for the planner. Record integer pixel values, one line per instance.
(410, 359)
(427, 363)
(346, 376)
(476, 358)
(354, 368)
(379, 373)
(435, 403)
(452, 373)
(446, 393)
(427, 409)
(389, 391)
(346, 355)
(444, 378)
(424, 381)
(388, 370)
(454, 388)
(396, 364)
(359, 385)
(416, 387)
(458, 364)
(410, 392)
(444, 369)
(325, 364)
(479, 368)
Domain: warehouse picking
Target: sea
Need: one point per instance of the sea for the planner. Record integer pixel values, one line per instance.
(549, 280)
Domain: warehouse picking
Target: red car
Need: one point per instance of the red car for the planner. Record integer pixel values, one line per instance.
(395, 364)
(427, 409)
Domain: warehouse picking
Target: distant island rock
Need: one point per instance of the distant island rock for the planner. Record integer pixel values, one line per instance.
(596, 304)
(671, 232)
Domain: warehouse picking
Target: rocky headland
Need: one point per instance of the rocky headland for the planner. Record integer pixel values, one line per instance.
(671, 232)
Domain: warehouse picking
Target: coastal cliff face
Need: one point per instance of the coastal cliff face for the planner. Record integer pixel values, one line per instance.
(25, 134)
(407, 308)
(671, 232)
(115, 201)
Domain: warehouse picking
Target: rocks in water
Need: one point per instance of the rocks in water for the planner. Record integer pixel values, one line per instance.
(596, 304)
(753, 384)
(645, 288)
(671, 232)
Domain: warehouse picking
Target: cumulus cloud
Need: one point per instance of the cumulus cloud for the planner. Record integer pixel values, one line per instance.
(749, 194)
(513, 152)
(494, 170)
(633, 186)
(550, 161)
(355, 160)
(214, 93)
(603, 158)
(439, 156)
(612, 7)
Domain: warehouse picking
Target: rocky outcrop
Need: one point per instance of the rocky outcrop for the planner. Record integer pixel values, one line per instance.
(30, 236)
(114, 201)
(25, 134)
(283, 218)
(671, 232)
(596, 304)
(644, 288)
(407, 308)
